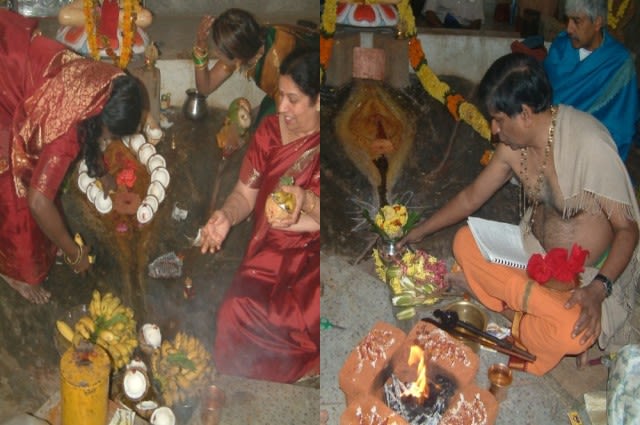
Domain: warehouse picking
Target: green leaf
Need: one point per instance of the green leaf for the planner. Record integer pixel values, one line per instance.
(181, 360)
(403, 300)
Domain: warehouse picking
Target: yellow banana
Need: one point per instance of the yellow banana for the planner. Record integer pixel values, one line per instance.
(65, 330)
(95, 305)
(88, 323)
(107, 336)
(82, 330)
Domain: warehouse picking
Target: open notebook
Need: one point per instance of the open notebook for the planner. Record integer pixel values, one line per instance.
(499, 242)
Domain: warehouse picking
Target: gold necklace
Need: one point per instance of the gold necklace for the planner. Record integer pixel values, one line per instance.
(534, 195)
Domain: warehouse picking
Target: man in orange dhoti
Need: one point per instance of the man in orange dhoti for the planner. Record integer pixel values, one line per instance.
(578, 192)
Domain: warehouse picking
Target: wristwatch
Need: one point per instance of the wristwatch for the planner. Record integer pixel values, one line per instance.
(608, 285)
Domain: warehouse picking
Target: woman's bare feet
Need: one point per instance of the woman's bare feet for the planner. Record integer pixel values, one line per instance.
(33, 293)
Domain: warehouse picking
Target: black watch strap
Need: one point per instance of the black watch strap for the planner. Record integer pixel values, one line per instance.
(608, 285)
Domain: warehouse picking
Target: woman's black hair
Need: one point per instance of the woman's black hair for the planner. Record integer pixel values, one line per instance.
(237, 34)
(514, 80)
(303, 66)
(121, 115)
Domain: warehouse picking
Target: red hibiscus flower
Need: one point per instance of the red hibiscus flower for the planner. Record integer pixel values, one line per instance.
(557, 264)
(537, 269)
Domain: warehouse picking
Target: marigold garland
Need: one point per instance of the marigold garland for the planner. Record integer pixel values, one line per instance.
(90, 28)
(127, 28)
(613, 19)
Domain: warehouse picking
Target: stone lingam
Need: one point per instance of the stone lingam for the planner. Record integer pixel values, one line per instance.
(423, 377)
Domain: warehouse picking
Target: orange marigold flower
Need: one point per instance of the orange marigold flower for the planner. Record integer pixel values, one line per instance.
(326, 46)
(416, 55)
(453, 102)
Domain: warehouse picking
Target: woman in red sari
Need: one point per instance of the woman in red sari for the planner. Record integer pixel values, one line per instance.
(53, 105)
(268, 326)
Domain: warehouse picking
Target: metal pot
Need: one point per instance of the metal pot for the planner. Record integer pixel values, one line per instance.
(195, 105)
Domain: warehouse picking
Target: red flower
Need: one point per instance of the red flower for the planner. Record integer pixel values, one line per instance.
(557, 264)
(537, 269)
(126, 177)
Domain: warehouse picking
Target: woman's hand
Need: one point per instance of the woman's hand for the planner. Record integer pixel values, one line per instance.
(294, 216)
(202, 36)
(215, 232)
(108, 183)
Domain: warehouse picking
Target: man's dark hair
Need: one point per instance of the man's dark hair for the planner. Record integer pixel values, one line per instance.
(514, 80)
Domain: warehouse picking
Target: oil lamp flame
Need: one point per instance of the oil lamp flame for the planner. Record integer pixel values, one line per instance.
(419, 389)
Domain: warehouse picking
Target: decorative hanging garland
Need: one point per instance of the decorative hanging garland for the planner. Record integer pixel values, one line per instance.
(127, 31)
(613, 19)
(457, 106)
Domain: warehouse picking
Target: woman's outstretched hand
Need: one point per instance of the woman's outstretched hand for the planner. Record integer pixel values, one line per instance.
(215, 232)
(202, 36)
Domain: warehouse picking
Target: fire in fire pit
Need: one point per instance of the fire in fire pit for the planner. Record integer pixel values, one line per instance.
(423, 401)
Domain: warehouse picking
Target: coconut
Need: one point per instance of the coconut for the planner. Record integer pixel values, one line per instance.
(152, 335)
(135, 384)
(163, 416)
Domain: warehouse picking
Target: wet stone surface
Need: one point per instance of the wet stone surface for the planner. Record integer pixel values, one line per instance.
(28, 356)
(444, 158)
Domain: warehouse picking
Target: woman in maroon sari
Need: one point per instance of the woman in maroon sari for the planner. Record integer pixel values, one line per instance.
(53, 104)
(268, 326)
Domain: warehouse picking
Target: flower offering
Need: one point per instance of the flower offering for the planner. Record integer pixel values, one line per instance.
(416, 279)
(392, 222)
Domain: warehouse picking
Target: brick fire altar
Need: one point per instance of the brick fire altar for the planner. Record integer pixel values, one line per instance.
(383, 361)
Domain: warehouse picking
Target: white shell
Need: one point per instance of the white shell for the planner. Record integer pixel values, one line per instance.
(163, 416)
(103, 205)
(153, 133)
(126, 140)
(156, 189)
(92, 192)
(134, 384)
(152, 201)
(82, 168)
(84, 180)
(144, 213)
(156, 161)
(136, 141)
(152, 335)
(145, 152)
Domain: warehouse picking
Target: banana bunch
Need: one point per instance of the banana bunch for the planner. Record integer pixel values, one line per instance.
(181, 368)
(109, 324)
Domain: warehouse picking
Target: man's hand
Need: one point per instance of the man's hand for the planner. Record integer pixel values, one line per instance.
(415, 235)
(590, 300)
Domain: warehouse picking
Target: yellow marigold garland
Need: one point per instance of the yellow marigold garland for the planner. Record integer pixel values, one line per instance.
(613, 19)
(128, 30)
(455, 103)
(327, 30)
(90, 28)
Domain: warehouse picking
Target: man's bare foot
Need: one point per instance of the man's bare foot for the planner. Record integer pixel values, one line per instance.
(456, 280)
(34, 293)
(582, 360)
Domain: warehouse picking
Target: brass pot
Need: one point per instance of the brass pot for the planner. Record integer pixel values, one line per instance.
(474, 315)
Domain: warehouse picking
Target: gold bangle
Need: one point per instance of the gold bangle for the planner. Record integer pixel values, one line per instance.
(77, 260)
(200, 51)
(200, 66)
(200, 60)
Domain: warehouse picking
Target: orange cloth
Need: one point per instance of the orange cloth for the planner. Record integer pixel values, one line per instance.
(545, 328)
